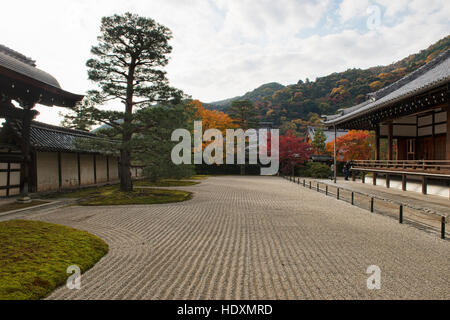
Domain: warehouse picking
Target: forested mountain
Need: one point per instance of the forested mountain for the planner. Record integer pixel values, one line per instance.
(303, 102)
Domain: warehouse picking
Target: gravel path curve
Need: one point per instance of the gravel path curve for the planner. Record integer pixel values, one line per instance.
(254, 238)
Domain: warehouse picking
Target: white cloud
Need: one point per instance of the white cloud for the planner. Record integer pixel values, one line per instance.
(350, 9)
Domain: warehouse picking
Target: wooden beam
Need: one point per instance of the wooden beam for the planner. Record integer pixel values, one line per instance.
(424, 185)
(448, 134)
(390, 142)
(59, 171)
(107, 168)
(335, 154)
(377, 143)
(79, 169)
(95, 169)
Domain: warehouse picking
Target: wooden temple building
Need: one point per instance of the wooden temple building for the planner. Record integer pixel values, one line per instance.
(412, 114)
(34, 156)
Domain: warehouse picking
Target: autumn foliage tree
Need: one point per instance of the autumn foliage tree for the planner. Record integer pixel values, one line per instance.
(356, 145)
(294, 152)
(212, 119)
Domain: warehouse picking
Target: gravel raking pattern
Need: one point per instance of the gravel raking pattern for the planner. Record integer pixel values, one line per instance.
(254, 238)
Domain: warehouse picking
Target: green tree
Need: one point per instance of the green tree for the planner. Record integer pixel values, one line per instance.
(127, 68)
(244, 114)
(152, 147)
(80, 116)
(319, 142)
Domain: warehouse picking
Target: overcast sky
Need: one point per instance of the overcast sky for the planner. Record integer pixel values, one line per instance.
(224, 48)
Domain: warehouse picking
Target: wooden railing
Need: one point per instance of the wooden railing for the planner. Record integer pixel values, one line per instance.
(425, 166)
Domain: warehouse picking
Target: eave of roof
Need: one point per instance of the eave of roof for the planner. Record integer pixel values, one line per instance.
(19, 77)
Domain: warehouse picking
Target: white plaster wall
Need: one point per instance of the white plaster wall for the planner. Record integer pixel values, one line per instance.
(69, 170)
(113, 169)
(87, 169)
(101, 169)
(47, 171)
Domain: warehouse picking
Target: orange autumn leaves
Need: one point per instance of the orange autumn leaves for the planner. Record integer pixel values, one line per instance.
(212, 119)
(356, 145)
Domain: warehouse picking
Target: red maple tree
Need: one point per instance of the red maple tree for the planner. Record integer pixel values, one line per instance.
(294, 152)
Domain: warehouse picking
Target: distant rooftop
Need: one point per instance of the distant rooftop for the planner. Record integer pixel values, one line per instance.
(46, 137)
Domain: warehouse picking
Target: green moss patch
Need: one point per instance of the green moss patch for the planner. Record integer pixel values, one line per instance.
(34, 257)
(138, 196)
(164, 183)
(111, 195)
(198, 177)
(16, 206)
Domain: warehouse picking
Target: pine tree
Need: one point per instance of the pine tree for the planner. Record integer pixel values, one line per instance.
(127, 68)
(244, 113)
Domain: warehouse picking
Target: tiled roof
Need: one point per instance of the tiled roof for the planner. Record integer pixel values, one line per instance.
(329, 134)
(428, 77)
(45, 137)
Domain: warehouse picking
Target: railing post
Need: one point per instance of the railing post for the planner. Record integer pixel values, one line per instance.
(338, 193)
(304, 183)
(310, 185)
(400, 219)
(372, 205)
(443, 228)
(318, 187)
(353, 198)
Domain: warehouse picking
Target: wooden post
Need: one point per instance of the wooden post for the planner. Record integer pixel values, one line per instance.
(107, 168)
(8, 178)
(372, 205)
(79, 169)
(326, 190)
(443, 227)
(404, 181)
(388, 181)
(335, 154)
(401, 214)
(95, 169)
(363, 175)
(424, 185)
(375, 175)
(25, 144)
(377, 142)
(338, 194)
(447, 151)
(353, 198)
(59, 172)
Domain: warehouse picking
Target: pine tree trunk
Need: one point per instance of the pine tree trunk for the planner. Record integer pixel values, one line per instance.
(126, 184)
